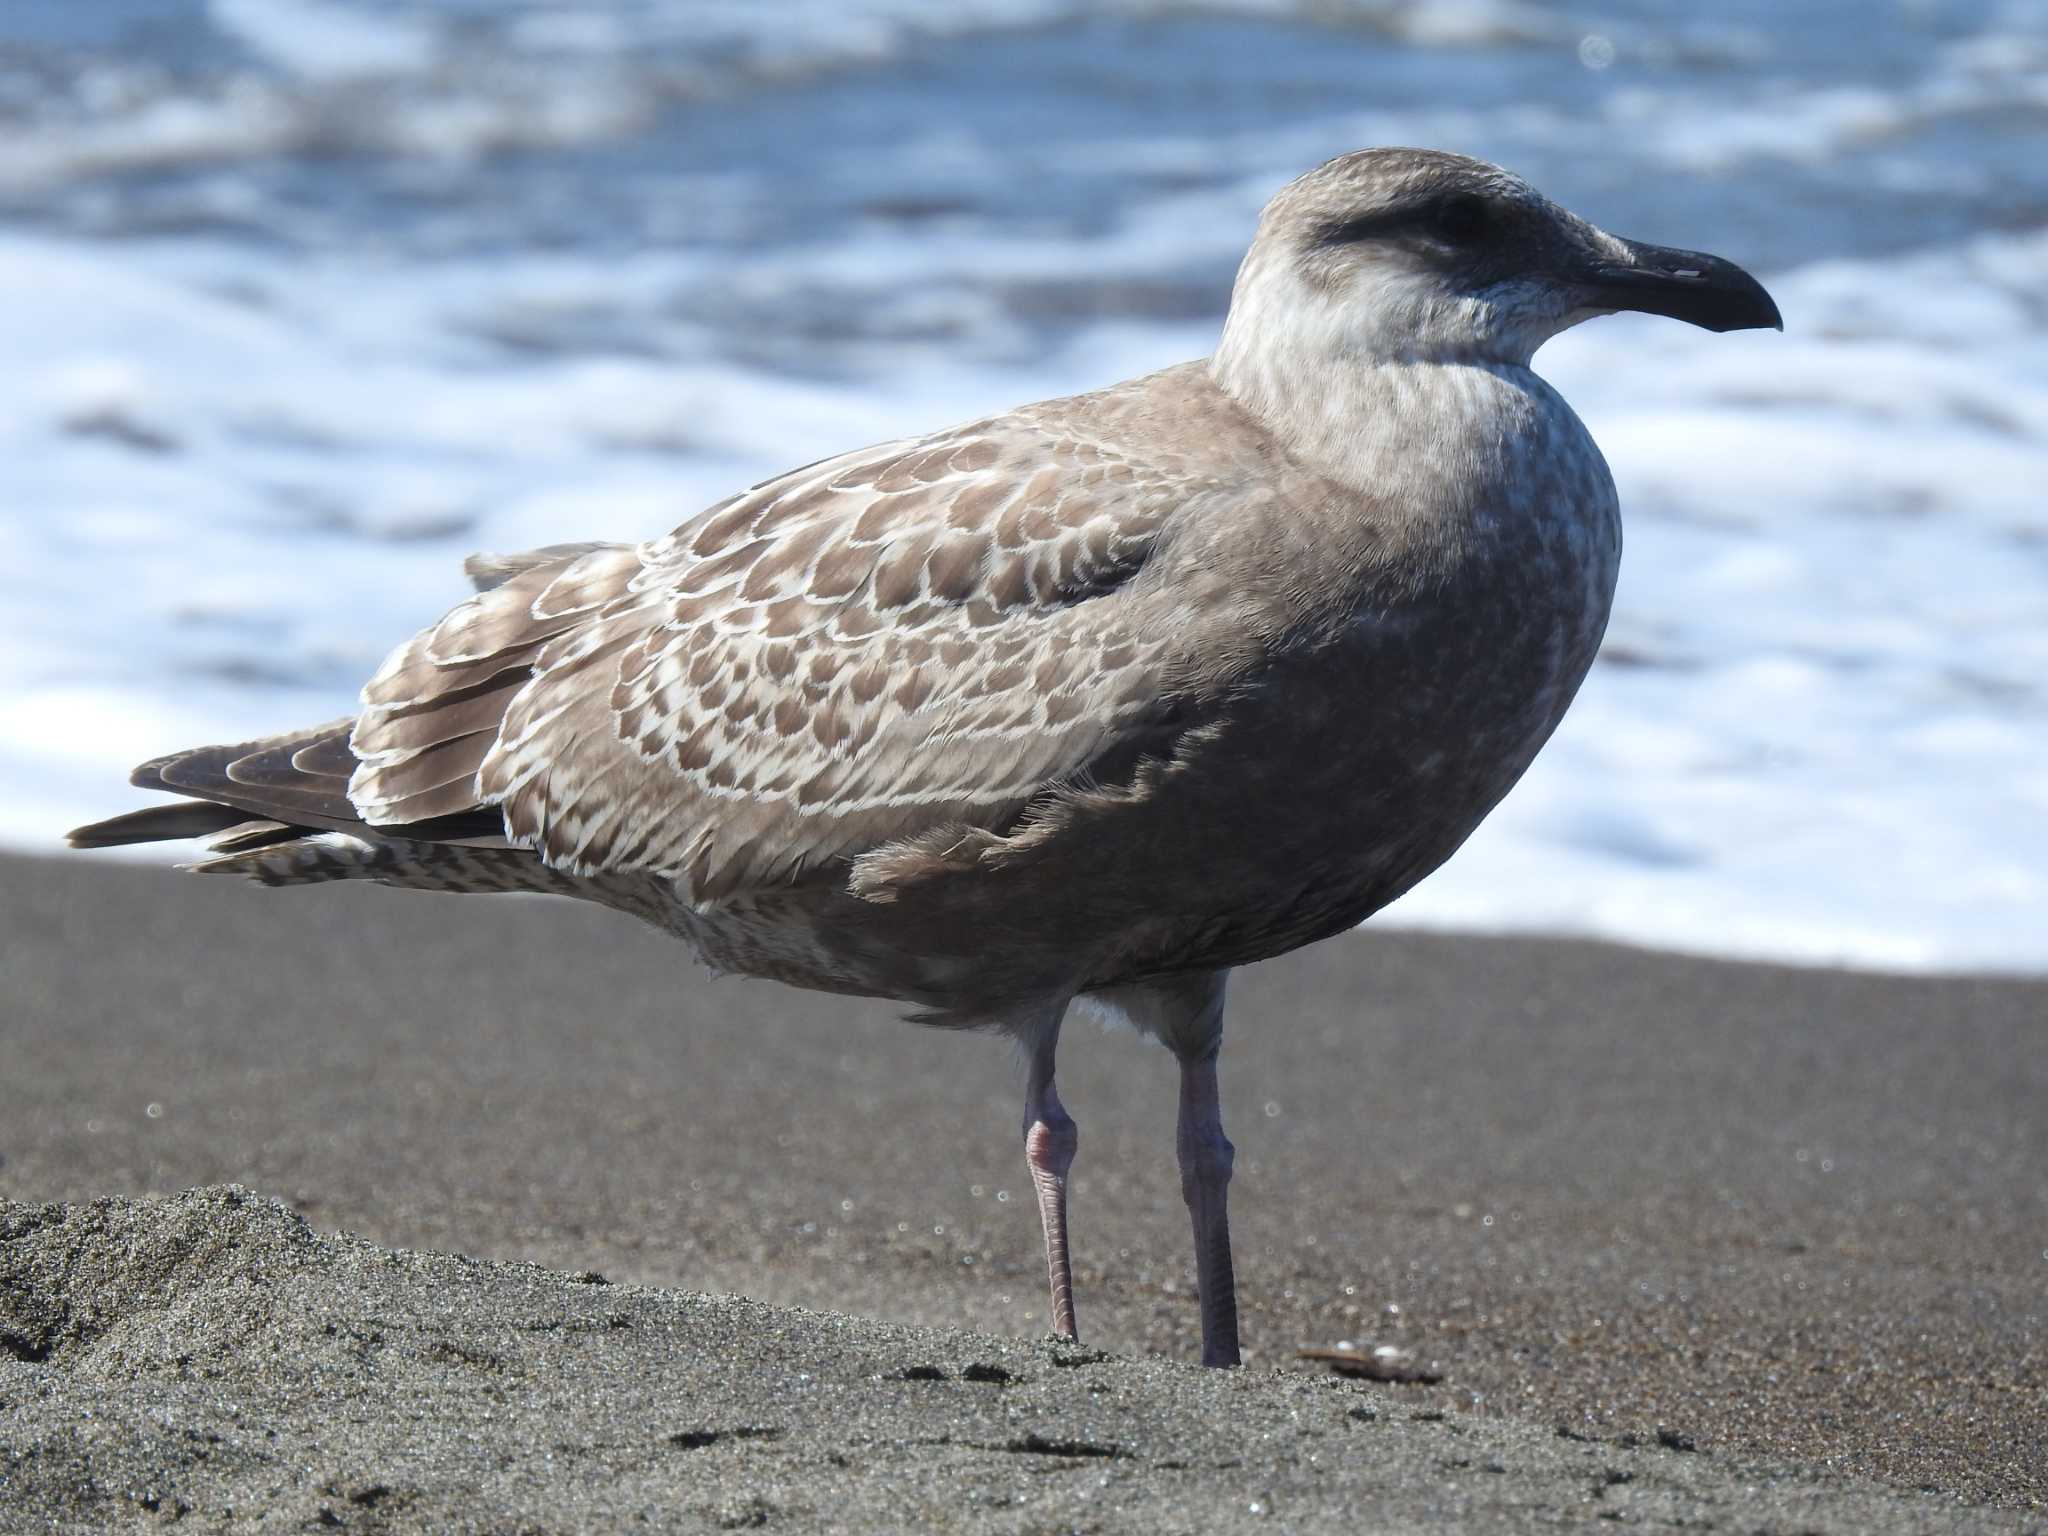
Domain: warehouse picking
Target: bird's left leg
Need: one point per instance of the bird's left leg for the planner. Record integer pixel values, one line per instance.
(1050, 1137)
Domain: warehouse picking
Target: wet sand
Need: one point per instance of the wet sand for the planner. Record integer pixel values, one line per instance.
(1794, 1220)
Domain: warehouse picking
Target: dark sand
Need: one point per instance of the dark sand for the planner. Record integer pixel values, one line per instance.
(1798, 1220)
(208, 1361)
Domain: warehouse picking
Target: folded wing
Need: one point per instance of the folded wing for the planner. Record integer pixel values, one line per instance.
(906, 638)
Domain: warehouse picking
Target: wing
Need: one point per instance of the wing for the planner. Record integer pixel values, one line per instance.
(910, 637)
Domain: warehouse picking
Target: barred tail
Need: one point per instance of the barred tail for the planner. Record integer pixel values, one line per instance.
(403, 862)
(412, 865)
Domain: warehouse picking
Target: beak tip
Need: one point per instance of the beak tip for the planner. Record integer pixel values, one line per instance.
(1703, 290)
(1735, 302)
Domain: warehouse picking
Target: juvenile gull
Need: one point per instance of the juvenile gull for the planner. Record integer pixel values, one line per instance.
(1091, 700)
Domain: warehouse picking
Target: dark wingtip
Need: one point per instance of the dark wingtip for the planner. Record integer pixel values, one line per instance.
(158, 824)
(101, 834)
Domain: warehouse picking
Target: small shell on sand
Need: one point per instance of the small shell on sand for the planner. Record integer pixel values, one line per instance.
(1384, 1362)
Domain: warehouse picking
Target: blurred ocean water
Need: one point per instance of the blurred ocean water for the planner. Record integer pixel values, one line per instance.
(301, 300)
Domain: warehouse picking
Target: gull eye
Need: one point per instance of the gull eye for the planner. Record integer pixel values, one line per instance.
(1460, 219)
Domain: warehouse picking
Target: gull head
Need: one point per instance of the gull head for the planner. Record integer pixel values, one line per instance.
(1400, 255)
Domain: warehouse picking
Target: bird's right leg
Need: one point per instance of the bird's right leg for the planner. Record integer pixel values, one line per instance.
(1186, 1014)
(1205, 1158)
(1050, 1137)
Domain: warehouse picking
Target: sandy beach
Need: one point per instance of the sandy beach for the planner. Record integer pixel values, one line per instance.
(1684, 1239)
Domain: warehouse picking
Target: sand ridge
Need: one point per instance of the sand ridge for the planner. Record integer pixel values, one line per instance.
(208, 1359)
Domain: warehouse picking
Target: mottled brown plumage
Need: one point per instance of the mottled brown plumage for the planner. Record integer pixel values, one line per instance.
(1096, 698)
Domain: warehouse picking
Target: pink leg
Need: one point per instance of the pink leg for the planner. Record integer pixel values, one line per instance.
(1050, 1137)
(1205, 1158)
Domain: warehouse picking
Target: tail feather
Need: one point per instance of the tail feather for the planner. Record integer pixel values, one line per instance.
(405, 862)
(411, 864)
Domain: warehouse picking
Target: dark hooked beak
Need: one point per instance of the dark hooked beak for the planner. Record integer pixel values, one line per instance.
(1686, 285)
